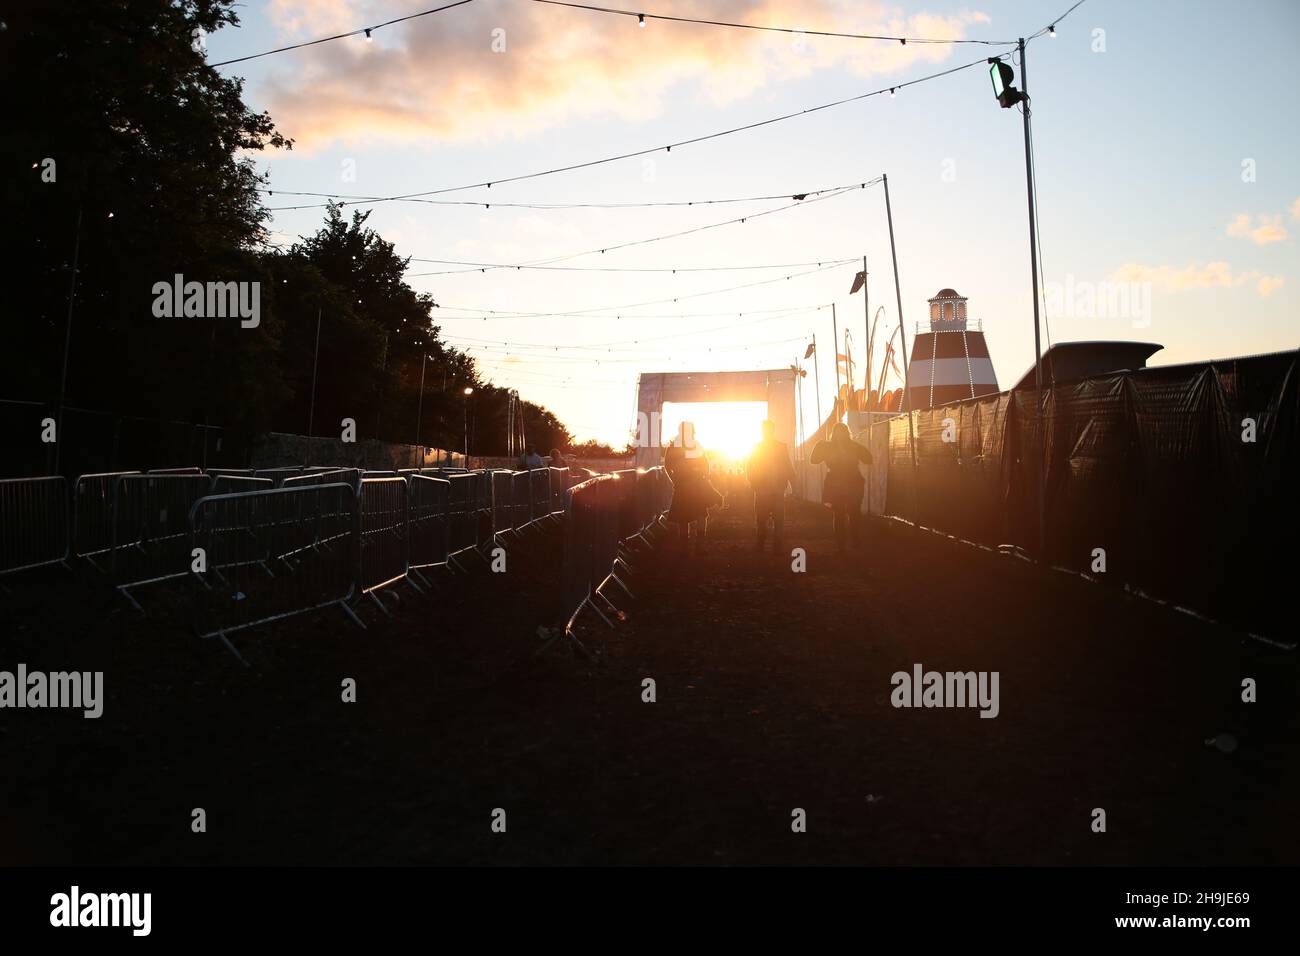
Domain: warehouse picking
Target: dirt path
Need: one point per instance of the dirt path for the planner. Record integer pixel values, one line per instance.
(772, 693)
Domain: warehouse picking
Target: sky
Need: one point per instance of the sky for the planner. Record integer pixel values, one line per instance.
(1164, 143)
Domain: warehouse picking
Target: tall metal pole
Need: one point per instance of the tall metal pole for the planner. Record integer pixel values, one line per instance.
(902, 331)
(67, 345)
(311, 415)
(835, 343)
(419, 415)
(866, 332)
(866, 378)
(817, 384)
(1038, 353)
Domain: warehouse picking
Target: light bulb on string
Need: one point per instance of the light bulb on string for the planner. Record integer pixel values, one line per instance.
(640, 20)
(369, 38)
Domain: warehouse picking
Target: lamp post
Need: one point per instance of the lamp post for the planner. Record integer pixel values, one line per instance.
(1008, 96)
(467, 392)
(419, 414)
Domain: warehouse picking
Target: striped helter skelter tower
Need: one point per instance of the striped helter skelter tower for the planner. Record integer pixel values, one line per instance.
(950, 362)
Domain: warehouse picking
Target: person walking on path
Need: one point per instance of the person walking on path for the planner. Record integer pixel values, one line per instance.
(842, 489)
(770, 473)
(693, 493)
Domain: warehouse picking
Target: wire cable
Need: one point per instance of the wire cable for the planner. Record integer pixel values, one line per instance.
(340, 36)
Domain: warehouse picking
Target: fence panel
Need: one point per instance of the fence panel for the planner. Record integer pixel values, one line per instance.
(92, 514)
(151, 528)
(193, 470)
(33, 522)
(521, 498)
(350, 476)
(428, 521)
(272, 554)
(540, 488)
(277, 474)
(462, 505)
(559, 486)
(503, 501)
(224, 484)
(382, 515)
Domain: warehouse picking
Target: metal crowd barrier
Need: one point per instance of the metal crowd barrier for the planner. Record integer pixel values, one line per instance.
(428, 523)
(277, 474)
(193, 470)
(469, 503)
(559, 489)
(381, 527)
(351, 476)
(503, 501)
(272, 554)
(521, 511)
(33, 522)
(539, 480)
(150, 532)
(224, 483)
(92, 515)
(596, 526)
(462, 526)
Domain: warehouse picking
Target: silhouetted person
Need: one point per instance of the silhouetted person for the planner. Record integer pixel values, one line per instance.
(769, 472)
(557, 459)
(530, 460)
(693, 494)
(842, 489)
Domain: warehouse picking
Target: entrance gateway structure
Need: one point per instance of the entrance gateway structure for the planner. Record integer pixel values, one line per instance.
(775, 386)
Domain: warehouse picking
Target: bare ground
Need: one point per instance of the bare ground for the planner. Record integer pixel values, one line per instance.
(773, 693)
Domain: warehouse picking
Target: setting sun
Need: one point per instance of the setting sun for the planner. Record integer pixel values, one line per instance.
(731, 429)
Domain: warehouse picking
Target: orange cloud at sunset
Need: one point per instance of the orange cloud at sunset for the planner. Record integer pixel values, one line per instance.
(440, 75)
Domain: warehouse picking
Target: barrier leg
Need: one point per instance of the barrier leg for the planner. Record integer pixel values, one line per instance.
(352, 614)
(610, 605)
(231, 647)
(615, 578)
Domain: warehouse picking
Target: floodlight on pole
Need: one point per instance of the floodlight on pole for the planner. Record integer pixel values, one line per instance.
(1003, 78)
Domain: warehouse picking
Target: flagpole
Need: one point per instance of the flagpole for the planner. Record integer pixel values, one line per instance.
(866, 331)
(835, 340)
(817, 383)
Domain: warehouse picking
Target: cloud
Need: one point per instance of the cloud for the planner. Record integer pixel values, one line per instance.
(438, 76)
(1270, 284)
(1295, 211)
(1268, 230)
(1213, 275)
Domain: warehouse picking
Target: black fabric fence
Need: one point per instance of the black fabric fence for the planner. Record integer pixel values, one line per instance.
(1185, 476)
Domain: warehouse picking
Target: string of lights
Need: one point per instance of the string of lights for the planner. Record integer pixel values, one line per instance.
(349, 200)
(487, 184)
(359, 31)
(643, 17)
(536, 263)
(482, 266)
(676, 235)
(641, 340)
(738, 313)
(669, 147)
(570, 313)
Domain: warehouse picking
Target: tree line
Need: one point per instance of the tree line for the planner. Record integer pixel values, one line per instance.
(130, 156)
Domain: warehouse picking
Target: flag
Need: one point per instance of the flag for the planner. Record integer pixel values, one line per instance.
(858, 280)
(811, 348)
